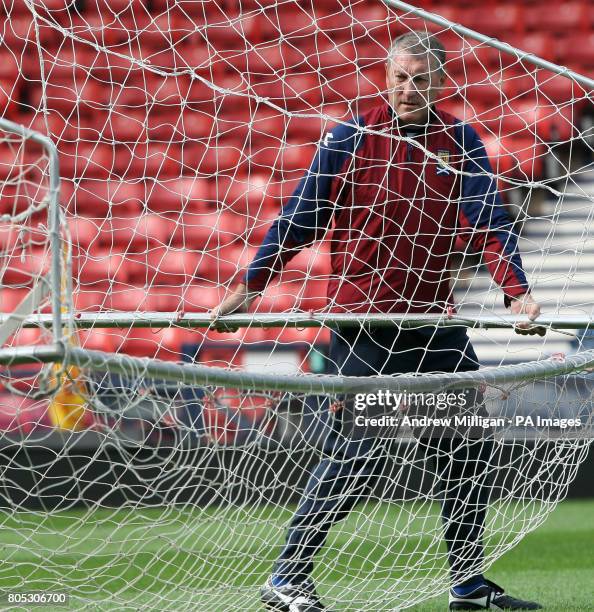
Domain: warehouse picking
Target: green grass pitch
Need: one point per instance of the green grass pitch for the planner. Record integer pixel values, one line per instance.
(176, 559)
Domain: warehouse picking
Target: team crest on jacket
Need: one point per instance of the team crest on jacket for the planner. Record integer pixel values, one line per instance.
(443, 156)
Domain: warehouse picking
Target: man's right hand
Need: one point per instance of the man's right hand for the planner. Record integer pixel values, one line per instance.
(239, 300)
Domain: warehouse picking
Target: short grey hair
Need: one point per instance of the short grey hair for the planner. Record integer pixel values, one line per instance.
(419, 42)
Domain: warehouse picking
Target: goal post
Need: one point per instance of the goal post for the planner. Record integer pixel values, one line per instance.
(180, 446)
(31, 185)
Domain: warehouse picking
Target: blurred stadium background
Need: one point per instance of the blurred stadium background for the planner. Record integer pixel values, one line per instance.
(169, 184)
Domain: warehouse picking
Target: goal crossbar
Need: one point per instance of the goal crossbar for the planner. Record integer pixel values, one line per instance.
(106, 320)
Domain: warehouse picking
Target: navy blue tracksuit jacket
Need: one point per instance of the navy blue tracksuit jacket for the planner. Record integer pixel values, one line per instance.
(394, 214)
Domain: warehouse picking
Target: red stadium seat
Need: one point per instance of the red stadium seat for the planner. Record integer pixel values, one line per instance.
(207, 61)
(476, 62)
(70, 95)
(371, 54)
(295, 158)
(538, 43)
(24, 270)
(164, 298)
(99, 199)
(558, 89)
(104, 29)
(10, 237)
(224, 37)
(165, 30)
(458, 107)
(254, 336)
(28, 336)
(89, 300)
(131, 299)
(13, 8)
(189, 194)
(149, 89)
(370, 21)
(20, 415)
(248, 196)
(218, 267)
(83, 232)
(116, 7)
(100, 267)
(87, 160)
(196, 10)
(14, 156)
(10, 67)
(67, 63)
(331, 57)
(218, 157)
(336, 22)
(368, 86)
(97, 339)
(483, 94)
(138, 233)
(126, 125)
(548, 121)
(233, 125)
(469, 71)
(11, 297)
(164, 125)
(52, 124)
(498, 20)
(518, 156)
(577, 51)
(289, 20)
(562, 18)
(165, 266)
(200, 298)
(309, 336)
(301, 91)
(267, 125)
(452, 12)
(209, 231)
(286, 158)
(12, 199)
(172, 339)
(194, 124)
(277, 298)
(155, 160)
(280, 192)
(518, 84)
(18, 33)
(223, 265)
(271, 58)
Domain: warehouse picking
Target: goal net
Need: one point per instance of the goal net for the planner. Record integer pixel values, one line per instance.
(154, 458)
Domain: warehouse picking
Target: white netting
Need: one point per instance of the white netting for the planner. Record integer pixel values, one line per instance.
(182, 127)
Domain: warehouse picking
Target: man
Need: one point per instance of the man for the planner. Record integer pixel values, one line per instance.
(395, 213)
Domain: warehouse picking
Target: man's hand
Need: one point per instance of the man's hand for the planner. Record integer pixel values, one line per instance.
(239, 300)
(525, 304)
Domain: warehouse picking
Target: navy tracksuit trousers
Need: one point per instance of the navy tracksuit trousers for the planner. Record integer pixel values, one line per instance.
(351, 467)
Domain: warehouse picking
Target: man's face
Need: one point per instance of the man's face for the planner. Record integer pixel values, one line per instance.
(413, 85)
